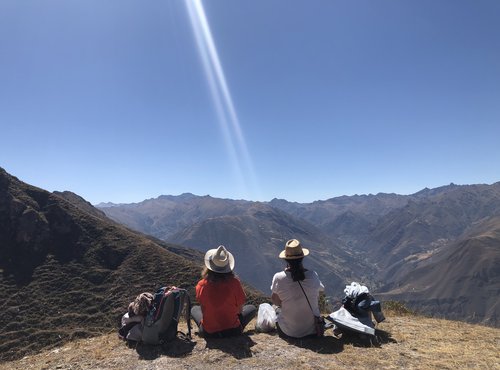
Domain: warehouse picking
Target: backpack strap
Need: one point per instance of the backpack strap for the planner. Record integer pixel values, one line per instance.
(319, 321)
(305, 295)
(188, 314)
(158, 301)
(185, 302)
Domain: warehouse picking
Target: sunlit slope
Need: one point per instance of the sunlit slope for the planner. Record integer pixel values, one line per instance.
(258, 236)
(432, 219)
(67, 273)
(378, 239)
(461, 281)
(407, 342)
(254, 231)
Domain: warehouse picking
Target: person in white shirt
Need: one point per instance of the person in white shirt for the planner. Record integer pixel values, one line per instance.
(289, 290)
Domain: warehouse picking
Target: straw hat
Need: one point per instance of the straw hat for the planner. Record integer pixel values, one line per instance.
(219, 260)
(293, 250)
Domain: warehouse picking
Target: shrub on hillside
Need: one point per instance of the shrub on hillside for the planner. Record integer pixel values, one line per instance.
(397, 307)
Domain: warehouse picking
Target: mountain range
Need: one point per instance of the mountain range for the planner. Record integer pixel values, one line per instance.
(460, 280)
(68, 271)
(255, 232)
(396, 244)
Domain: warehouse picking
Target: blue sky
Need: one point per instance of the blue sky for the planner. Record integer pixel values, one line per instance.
(112, 99)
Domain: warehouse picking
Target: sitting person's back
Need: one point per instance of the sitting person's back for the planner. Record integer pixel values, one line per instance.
(296, 291)
(221, 297)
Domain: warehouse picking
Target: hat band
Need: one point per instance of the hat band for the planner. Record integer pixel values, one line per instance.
(294, 254)
(216, 268)
(221, 263)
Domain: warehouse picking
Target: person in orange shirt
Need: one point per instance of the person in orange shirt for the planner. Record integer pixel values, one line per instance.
(221, 297)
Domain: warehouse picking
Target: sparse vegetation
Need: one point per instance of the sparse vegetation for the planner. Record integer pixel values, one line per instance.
(405, 342)
(397, 308)
(61, 309)
(74, 276)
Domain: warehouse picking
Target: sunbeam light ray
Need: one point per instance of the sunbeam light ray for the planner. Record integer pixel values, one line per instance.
(227, 117)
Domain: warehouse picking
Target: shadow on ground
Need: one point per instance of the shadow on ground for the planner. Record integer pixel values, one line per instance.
(363, 340)
(331, 345)
(175, 348)
(238, 346)
(323, 345)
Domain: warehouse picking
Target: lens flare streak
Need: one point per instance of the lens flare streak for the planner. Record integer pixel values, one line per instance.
(224, 107)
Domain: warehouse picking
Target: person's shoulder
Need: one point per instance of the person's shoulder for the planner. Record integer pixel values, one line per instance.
(311, 274)
(279, 275)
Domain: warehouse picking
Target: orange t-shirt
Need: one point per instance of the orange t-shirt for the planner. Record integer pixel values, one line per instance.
(221, 303)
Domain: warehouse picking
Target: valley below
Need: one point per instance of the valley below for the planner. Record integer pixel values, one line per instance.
(438, 250)
(68, 270)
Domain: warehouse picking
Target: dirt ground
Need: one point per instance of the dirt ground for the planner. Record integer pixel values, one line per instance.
(403, 342)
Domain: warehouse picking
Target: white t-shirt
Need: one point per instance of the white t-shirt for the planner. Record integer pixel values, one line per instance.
(296, 318)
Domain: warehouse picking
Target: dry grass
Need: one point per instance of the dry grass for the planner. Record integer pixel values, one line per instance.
(406, 342)
(73, 273)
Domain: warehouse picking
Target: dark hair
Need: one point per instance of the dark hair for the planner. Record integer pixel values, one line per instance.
(215, 276)
(296, 269)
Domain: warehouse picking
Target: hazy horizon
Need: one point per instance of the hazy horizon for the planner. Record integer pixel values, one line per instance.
(289, 200)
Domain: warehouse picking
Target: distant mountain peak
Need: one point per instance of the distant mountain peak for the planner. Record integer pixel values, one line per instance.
(183, 196)
(80, 202)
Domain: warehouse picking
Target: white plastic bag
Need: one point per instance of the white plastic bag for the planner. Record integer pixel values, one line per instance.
(266, 318)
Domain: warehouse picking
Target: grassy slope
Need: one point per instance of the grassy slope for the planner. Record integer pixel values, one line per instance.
(88, 269)
(70, 273)
(408, 342)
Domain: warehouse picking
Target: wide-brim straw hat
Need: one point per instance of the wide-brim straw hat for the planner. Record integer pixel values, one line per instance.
(293, 250)
(219, 260)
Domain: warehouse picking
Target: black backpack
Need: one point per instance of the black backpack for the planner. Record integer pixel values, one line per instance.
(352, 304)
(160, 324)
